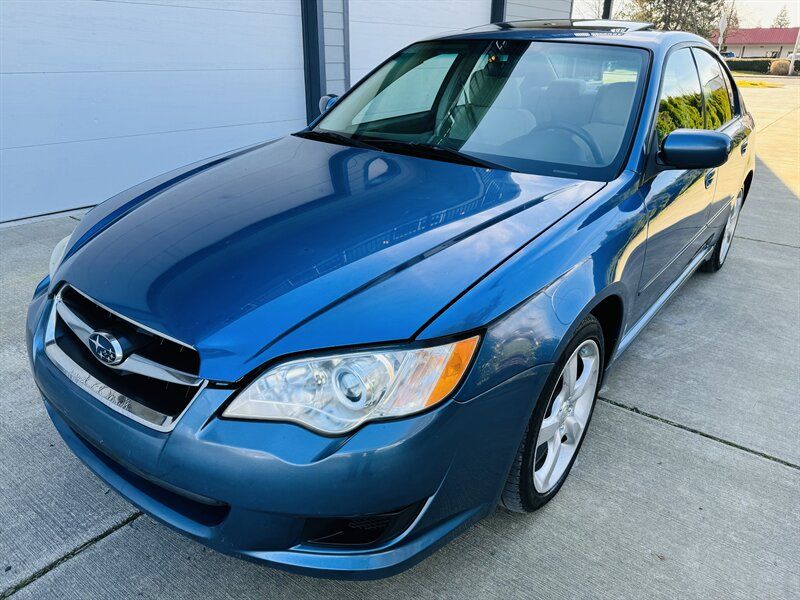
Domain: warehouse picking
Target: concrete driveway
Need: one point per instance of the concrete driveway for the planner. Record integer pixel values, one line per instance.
(688, 484)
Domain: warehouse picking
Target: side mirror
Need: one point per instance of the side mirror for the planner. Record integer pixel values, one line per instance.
(326, 102)
(695, 149)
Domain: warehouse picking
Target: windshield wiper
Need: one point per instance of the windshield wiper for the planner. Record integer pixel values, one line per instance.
(335, 137)
(433, 151)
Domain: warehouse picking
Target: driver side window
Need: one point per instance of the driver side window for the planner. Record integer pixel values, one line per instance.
(681, 102)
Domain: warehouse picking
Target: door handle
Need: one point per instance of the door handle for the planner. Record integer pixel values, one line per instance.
(710, 177)
(744, 146)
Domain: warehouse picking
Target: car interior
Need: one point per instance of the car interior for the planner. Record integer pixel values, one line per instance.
(539, 116)
(561, 107)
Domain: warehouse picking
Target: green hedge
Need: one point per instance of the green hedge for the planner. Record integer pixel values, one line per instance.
(750, 65)
(754, 65)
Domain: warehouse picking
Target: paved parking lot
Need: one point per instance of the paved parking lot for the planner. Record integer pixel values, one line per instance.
(688, 484)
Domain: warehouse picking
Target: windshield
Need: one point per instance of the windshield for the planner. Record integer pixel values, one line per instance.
(551, 108)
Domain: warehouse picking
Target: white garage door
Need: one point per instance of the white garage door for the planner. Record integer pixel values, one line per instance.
(379, 28)
(520, 10)
(98, 96)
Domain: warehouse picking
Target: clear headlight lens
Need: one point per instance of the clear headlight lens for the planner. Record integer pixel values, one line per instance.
(57, 255)
(334, 394)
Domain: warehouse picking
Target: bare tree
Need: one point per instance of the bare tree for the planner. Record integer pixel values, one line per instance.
(733, 17)
(782, 18)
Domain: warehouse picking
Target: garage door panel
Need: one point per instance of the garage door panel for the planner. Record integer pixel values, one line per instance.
(389, 38)
(379, 28)
(272, 7)
(114, 36)
(64, 176)
(538, 9)
(98, 96)
(57, 107)
(416, 12)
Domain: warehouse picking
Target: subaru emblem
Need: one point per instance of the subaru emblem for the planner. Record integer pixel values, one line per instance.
(106, 347)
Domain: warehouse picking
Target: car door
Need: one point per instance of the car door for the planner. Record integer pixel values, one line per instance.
(723, 113)
(677, 200)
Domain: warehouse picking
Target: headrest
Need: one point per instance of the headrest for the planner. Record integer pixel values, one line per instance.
(536, 70)
(613, 103)
(489, 88)
(565, 88)
(559, 96)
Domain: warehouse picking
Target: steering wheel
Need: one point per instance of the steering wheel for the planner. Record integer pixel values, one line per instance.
(579, 132)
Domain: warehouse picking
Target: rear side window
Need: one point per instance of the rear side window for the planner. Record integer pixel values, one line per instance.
(681, 102)
(717, 100)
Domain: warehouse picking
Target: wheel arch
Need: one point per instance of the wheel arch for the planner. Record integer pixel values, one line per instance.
(609, 312)
(607, 305)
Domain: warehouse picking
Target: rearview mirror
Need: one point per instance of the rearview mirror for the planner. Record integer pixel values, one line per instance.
(695, 149)
(326, 102)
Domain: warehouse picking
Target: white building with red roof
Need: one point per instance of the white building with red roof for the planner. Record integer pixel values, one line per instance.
(772, 42)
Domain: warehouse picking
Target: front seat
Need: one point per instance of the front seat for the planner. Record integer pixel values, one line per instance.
(503, 120)
(564, 100)
(610, 116)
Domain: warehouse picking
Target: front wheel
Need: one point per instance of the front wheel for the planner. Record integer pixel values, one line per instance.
(723, 245)
(559, 421)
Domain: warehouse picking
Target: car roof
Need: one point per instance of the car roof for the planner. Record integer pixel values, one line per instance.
(597, 31)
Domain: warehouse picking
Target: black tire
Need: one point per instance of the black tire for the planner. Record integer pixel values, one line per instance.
(714, 262)
(520, 494)
(717, 259)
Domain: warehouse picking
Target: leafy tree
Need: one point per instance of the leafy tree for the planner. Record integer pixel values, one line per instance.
(782, 18)
(696, 16)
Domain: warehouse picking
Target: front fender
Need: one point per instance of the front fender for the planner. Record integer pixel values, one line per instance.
(532, 303)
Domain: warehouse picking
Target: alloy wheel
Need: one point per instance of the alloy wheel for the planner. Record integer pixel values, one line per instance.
(730, 226)
(566, 416)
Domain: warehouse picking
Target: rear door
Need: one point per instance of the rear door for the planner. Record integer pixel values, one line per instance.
(723, 113)
(677, 199)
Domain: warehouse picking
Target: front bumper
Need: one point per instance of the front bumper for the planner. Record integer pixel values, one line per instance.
(249, 488)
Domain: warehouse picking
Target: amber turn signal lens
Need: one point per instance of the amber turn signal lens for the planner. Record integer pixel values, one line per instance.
(454, 370)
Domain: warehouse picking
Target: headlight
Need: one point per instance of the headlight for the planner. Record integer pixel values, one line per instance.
(57, 255)
(334, 394)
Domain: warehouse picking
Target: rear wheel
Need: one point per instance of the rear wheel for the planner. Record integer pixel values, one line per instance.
(723, 245)
(559, 421)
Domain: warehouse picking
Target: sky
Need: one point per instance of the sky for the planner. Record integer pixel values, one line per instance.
(752, 13)
(760, 13)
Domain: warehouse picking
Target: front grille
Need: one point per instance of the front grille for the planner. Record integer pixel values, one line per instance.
(155, 382)
(150, 345)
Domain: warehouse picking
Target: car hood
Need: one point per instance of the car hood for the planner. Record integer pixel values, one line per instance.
(299, 245)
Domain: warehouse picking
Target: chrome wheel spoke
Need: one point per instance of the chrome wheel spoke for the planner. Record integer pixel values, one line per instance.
(544, 475)
(587, 378)
(548, 430)
(570, 375)
(573, 428)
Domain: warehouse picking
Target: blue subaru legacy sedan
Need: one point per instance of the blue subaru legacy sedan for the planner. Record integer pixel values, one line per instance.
(335, 351)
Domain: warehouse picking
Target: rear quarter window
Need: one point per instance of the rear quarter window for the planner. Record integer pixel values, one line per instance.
(718, 107)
